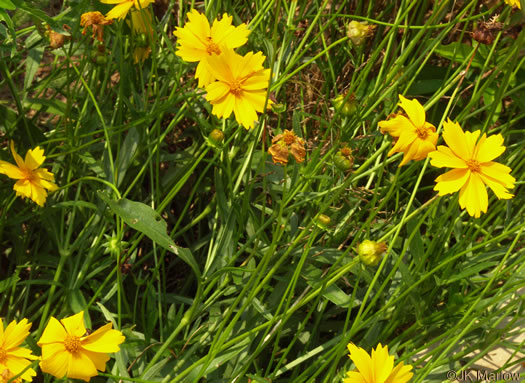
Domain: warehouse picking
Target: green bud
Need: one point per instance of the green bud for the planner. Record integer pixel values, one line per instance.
(343, 159)
(216, 137)
(370, 252)
(322, 221)
(346, 108)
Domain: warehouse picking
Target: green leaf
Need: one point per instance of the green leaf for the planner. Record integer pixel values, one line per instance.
(8, 283)
(7, 4)
(144, 219)
(33, 59)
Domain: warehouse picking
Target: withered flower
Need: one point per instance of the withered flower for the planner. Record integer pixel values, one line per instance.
(57, 40)
(285, 144)
(96, 21)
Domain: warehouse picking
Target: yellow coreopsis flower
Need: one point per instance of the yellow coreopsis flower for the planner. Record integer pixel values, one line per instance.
(415, 137)
(514, 3)
(141, 25)
(68, 351)
(14, 359)
(378, 368)
(32, 180)
(240, 87)
(197, 41)
(123, 6)
(473, 167)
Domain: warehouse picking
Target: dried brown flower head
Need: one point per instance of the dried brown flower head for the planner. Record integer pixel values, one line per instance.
(96, 21)
(285, 144)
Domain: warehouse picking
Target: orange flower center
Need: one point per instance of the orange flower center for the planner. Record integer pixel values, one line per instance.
(473, 165)
(288, 137)
(346, 151)
(236, 88)
(422, 132)
(3, 356)
(211, 47)
(72, 343)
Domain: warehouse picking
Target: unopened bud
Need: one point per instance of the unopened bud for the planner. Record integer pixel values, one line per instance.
(216, 137)
(345, 107)
(370, 252)
(358, 31)
(343, 159)
(322, 221)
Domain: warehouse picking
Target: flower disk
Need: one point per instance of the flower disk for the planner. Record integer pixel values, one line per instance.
(378, 368)
(415, 137)
(68, 351)
(32, 181)
(15, 359)
(473, 168)
(240, 87)
(197, 41)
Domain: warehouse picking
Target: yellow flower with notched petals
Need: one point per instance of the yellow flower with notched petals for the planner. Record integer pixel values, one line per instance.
(198, 41)
(415, 137)
(378, 368)
(32, 181)
(122, 8)
(472, 167)
(240, 87)
(68, 351)
(15, 359)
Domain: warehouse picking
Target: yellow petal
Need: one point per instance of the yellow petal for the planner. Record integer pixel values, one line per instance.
(113, 1)
(362, 361)
(382, 363)
(17, 157)
(103, 340)
(216, 91)
(56, 365)
(473, 196)
(456, 140)
(497, 187)
(203, 73)
(15, 333)
(80, 367)
(244, 112)
(34, 158)
(53, 333)
(443, 157)
(198, 24)
(98, 359)
(498, 172)
(451, 181)
(403, 142)
(120, 11)
(74, 324)
(354, 377)
(414, 110)
(489, 148)
(400, 374)
(21, 352)
(17, 365)
(395, 126)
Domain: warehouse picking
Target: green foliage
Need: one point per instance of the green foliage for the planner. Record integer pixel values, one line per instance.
(209, 256)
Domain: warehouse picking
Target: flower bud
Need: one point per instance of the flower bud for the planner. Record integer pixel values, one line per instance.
(216, 137)
(346, 108)
(370, 252)
(343, 159)
(322, 221)
(358, 31)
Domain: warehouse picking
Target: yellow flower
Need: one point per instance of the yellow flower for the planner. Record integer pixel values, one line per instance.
(68, 351)
(370, 252)
(32, 181)
(121, 10)
(240, 87)
(379, 368)
(96, 21)
(14, 359)
(141, 25)
(472, 167)
(514, 3)
(414, 136)
(198, 41)
(285, 144)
